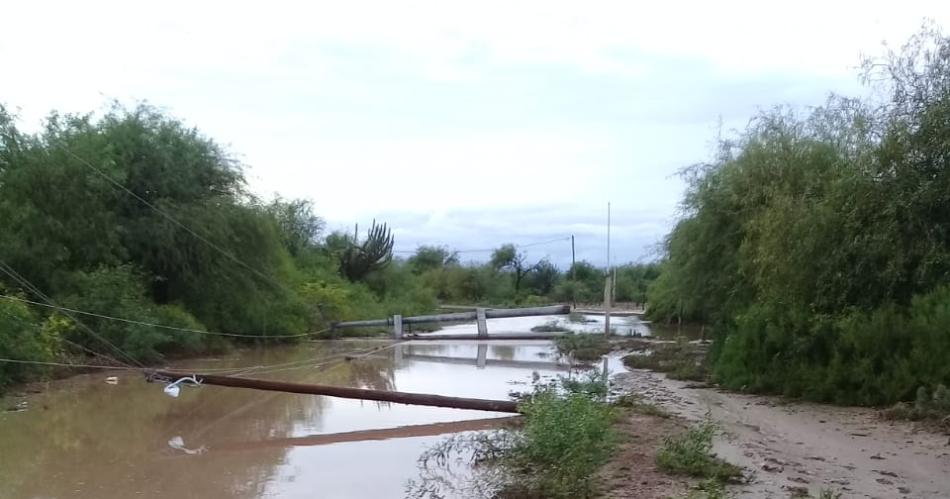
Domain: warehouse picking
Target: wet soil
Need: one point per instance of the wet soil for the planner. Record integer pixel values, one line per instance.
(632, 471)
(790, 448)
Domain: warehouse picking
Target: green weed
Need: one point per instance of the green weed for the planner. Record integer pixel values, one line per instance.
(680, 360)
(709, 489)
(550, 327)
(690, 454)
(639, 406)
(582, 347)
(566, 436)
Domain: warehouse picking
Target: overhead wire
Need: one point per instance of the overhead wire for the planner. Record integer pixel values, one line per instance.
(68, 341)
(64, 364)
(308, 363)
(70, 311)
(30, 287)
(270, 279)
(162, 326)
(173, 220)
(485, 250)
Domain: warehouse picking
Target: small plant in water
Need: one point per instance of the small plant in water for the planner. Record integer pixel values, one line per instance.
(592, 384)
(549, 327)
(584, 347)
(565, 438)
(579, 318)
(681, 360)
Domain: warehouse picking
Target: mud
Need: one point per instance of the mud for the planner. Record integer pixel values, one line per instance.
(632, 472)
(789, 448)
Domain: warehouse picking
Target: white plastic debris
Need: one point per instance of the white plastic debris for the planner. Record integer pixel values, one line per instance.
(112, 380)
(172, 390)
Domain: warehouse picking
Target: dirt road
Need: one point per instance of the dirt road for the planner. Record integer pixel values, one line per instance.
(793, 447)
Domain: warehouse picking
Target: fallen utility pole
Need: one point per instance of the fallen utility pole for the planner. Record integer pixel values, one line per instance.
(493, 337)
(347, 393)
(491, 313)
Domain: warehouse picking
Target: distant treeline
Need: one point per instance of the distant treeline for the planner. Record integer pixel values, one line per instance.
(818, 244)
(131, 214)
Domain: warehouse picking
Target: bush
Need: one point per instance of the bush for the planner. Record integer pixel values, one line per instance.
(550, 327)
(817, 244)
(22, 338)
(680, 360)
(638, 405)
(120, 292)
(564, 441)
(565, 438)
(690, 454)
(582, 347)
(863, 357)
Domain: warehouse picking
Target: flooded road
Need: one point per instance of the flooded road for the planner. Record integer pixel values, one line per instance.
(621, 326)
(84, 437)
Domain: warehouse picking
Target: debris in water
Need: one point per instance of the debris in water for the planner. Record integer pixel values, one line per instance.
(112, 380)
(178, 443)
(19, 407)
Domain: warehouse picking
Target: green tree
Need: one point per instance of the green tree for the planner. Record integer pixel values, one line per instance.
(432, 257)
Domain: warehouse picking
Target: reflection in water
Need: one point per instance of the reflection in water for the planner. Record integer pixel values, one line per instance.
(86, 438)
(178, 443)
(504, 352)
(621, 326)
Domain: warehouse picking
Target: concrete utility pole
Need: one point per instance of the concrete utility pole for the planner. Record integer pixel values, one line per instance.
(608, 287)
(573, 264)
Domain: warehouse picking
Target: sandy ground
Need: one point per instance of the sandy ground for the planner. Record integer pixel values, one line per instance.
(788, 448)
(632, 472)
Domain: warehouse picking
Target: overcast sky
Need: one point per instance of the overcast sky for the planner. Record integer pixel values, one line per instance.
(465, 124)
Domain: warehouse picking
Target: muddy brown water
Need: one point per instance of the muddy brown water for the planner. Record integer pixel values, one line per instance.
(85, 438)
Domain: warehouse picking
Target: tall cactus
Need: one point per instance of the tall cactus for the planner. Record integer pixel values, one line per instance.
(359, 259)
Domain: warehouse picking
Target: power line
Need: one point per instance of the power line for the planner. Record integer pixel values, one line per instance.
(485, 250)
(65, 340)
(64, 364)
(162, 326)
(174, 220)
(187, 229)
(309, 363)
(29, 286)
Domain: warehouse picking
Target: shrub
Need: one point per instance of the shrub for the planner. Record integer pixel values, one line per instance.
(690, 453)
(550, 327)
(564, 441)
(21, 338)
(120, 292)
(583, 347)
(566, 436)
(680, 360)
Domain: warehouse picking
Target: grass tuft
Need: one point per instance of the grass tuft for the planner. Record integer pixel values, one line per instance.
(680, 360)
(636, 404)
(550, 327)
(690, 454)
(582, 347)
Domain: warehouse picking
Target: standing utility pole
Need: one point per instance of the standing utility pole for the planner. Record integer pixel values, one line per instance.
(573, 284)
(608, 287)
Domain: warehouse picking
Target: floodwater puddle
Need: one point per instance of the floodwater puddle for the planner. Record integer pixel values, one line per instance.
(95, 436)
(86, 437)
